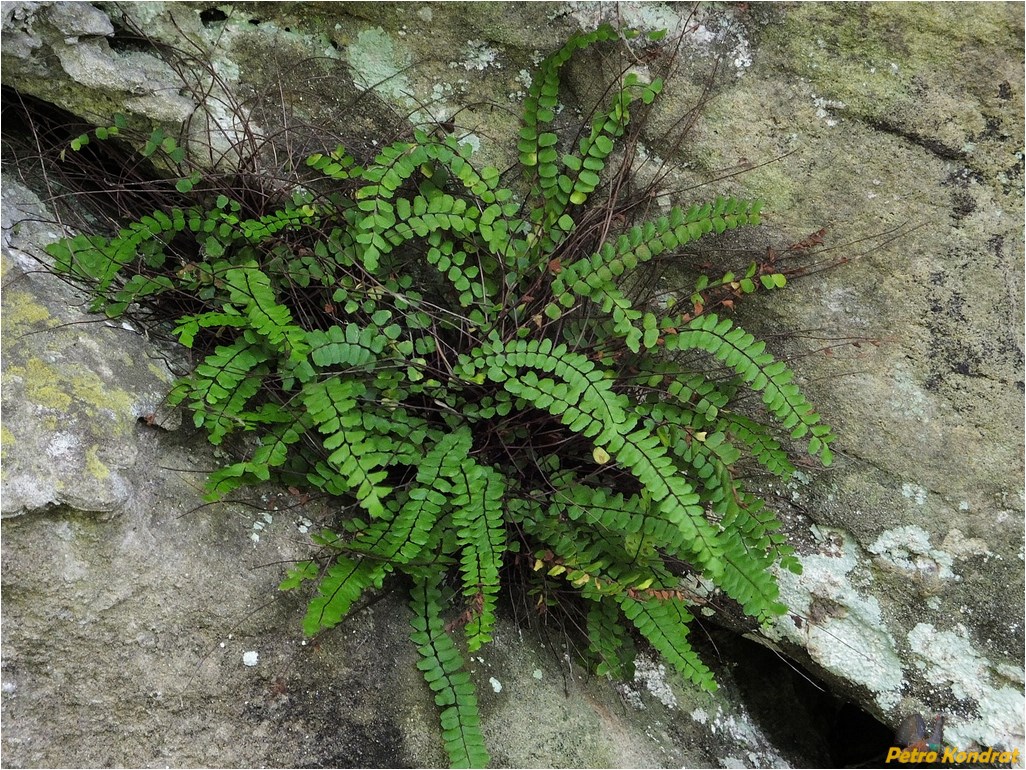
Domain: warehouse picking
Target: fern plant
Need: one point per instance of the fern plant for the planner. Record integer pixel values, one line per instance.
(467, 374)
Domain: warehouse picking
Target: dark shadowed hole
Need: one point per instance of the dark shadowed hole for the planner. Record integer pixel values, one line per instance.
(212, 16)
(805, 722)
(103, 178)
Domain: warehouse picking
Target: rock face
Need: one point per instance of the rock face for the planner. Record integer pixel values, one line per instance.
(130, 609)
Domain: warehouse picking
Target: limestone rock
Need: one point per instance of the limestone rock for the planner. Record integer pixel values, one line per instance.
(897, 128)
(73, 386)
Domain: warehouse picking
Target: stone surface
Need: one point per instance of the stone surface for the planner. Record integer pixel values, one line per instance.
(72, 392)
(898, 128)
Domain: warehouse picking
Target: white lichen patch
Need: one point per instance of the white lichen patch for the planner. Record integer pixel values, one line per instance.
(949, 658)
(914, 492)
(629, 695)
(841, 628)
(717, 31)
(377, 63)
(652, 674)
(477, 55)
(908, 549)
(259, 525)
(749, 738)
(250, 658)
(825, 109)
(908, 399)
(852, 647)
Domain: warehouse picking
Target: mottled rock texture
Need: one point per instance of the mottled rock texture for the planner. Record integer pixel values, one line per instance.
(128, 608)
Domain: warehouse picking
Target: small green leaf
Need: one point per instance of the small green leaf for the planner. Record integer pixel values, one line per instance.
(604, 143)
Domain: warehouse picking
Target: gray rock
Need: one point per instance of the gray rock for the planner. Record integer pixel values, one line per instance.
(74, 20)
(898, 128)
(73, 386)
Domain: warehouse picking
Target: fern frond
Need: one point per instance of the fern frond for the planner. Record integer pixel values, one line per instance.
(541, 101)
(595, 277)
(272, 453)
(763, 446)
(445, 674)
(221, 386)
(477, 515)
(343, 583)
(747, 578)
(189, 326)
(250, 289)
(609, 641)
(100, 261)
(355, 452)
(762, 372)
(396, 538)
(664, 622)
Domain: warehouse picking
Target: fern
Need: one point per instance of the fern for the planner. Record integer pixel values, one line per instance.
(471, 376)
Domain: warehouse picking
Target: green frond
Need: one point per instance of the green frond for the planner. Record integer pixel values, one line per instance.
(250, 289)
(445, 674)
(664, 622)
(356, 450)
(477, 516)
(761, 372)
(761, 443)
(220, 387)
(272, 453)
(342, 584)
(595, 277)
(100, 261)
(609, 641)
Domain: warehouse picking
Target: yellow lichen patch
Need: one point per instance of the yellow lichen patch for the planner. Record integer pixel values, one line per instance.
(95, 465)
(161, 373)
(6, 437)
(41, 384)
(45, 385)
(89, 389)
(23, 314)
